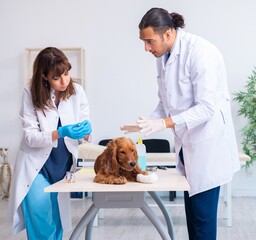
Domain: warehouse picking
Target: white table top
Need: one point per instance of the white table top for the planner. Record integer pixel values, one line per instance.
(168, 180)
(158, 159)
(169, 159)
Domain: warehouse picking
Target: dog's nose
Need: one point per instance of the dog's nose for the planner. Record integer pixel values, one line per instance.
(132, 164)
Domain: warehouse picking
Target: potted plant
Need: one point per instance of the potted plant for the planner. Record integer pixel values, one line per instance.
(247, 101)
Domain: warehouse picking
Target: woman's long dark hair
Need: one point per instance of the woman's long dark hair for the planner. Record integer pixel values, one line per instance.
(49, 60)
(161, 20)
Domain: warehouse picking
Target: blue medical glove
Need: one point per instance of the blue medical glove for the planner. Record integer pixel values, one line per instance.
(86, 125)
(73, 131)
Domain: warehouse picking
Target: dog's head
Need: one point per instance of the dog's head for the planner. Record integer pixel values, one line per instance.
(123, 153)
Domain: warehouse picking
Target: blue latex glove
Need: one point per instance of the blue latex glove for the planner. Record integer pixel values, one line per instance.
(75, 131)
(86, 126)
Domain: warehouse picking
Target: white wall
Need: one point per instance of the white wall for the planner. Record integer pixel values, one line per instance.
(120, 76)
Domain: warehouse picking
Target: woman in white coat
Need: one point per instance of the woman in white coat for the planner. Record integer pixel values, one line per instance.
(194, 102)
(54, 116)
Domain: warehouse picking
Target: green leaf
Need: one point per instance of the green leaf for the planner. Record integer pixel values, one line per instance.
(247, 102)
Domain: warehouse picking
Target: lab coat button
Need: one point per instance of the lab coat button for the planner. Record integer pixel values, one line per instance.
(28, 185)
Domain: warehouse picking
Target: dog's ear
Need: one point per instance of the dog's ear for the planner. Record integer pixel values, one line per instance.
(135, 153)
(111, 154)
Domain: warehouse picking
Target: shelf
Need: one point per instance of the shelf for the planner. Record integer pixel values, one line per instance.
(75, 56)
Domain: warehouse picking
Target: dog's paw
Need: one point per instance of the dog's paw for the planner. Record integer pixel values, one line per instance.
(151, 178)
(120, 180)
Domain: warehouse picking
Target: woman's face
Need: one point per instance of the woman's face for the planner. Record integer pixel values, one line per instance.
(155, 43)
(59, 83)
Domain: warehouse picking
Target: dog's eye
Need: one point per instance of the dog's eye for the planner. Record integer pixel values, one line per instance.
(122, 152)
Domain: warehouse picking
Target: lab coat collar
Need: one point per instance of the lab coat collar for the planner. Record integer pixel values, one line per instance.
(174, 52)
(176, 48)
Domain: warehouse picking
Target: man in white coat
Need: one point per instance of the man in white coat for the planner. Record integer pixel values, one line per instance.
(194, 102)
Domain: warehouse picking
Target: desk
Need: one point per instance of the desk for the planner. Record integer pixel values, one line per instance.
(129, 195)
(91, 151)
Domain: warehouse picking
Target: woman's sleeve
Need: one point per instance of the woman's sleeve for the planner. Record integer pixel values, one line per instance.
(34, 137)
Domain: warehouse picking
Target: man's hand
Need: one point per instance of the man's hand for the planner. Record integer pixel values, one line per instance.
(130, 128)
(149, 126)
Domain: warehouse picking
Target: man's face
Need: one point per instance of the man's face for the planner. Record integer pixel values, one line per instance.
(155, 43)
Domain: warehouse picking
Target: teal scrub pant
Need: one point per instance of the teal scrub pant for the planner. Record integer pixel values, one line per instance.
(41, 212)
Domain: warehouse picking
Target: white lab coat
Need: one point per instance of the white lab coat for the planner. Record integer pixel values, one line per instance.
(35, 148)
(193, 85)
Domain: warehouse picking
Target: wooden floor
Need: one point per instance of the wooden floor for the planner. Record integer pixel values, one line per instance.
(127, 224)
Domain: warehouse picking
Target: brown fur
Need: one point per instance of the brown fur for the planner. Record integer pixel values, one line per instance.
(118, 163)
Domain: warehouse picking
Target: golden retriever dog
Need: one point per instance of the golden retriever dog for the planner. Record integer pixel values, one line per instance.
(118, 163)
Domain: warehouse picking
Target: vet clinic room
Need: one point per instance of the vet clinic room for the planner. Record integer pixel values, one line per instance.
(128, 120)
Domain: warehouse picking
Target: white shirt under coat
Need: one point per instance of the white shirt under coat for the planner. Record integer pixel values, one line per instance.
(193, 88)
(36, 146)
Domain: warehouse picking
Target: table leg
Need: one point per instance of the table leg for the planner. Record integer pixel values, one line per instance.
(227, 198)
(124, 200)
(88, 231)
(165, 212)
(156, 221)
(86, 219)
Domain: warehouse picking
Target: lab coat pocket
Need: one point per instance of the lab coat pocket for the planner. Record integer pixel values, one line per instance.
(225, 112)
(212, 129)
(223, 117)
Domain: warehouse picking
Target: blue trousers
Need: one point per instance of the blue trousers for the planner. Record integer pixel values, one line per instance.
(41, 212)
(201, 212)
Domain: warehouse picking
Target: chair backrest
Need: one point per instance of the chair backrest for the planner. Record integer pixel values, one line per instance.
(104, 142)
(157, 145)
(152, 145)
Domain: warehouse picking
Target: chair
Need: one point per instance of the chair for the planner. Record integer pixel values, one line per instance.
(159, 146)
(104, 142)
